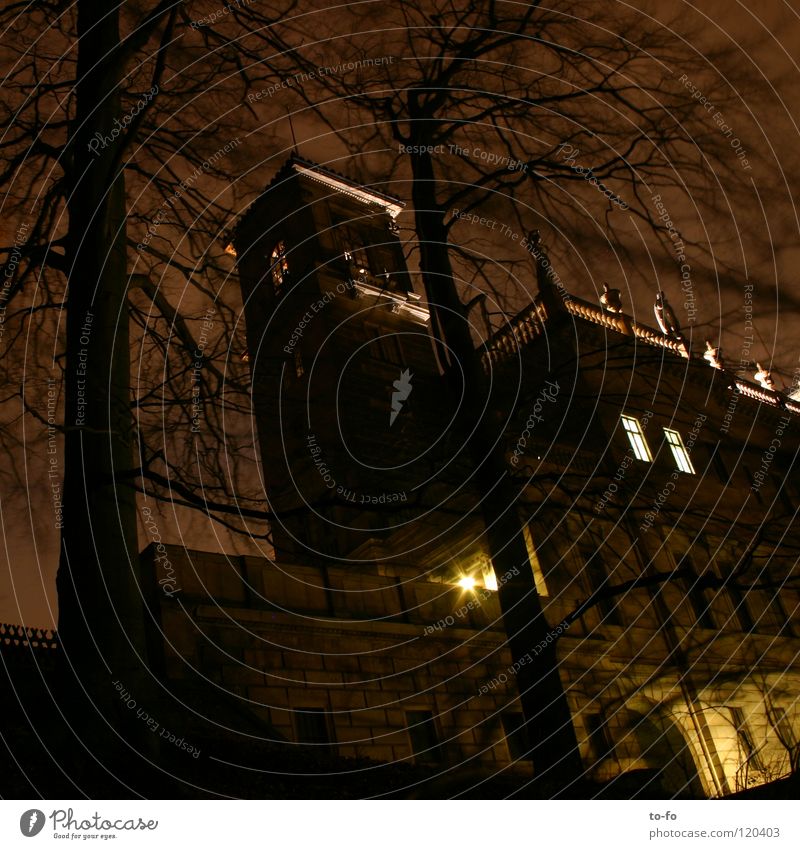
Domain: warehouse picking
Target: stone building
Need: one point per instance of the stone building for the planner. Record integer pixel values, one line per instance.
(656, 488)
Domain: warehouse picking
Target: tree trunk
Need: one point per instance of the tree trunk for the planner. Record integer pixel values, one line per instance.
(101, 624)
(548, 719)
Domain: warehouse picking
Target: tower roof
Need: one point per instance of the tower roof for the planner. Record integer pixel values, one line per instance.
(298, 165)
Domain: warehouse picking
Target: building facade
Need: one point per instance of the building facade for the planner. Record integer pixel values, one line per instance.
(656, 490)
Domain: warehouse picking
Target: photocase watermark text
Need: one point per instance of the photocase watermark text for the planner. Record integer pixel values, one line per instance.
(168, 582)
(101, 141)
(547, 395)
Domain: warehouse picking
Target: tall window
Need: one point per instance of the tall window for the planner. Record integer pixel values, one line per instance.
(514, 730)
(746, 745)
(601, 745)
(280, 267)
(386, 346)
(536, 566)
(422, 732)
(719, 463)
(600, 583)
(740, 604)
(369, 256)
(679, 451)
(696, 595)
(782, 726)
(311, 725)
(636, 437)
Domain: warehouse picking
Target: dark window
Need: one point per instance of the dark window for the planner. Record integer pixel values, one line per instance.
(367, 262)
(779, 720)
(422, 732)
(381, 262)
(516, 737)
(783, 494)
(783, 620)
(386, 346)
(696, 594)
(351, 243)
(600, 742)
(740, 605)
(600, 583)
(715, 453)
(756, 490)
(311, 725)
(746, 745)
(701, 606)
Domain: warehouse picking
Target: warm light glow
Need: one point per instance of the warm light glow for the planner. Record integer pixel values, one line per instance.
(679, 452)
(467, 583)
(636, 437)
(536, 566)
(489, 579)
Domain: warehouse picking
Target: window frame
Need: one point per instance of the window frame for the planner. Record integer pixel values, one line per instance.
(515, 736)
(302, 722)
(635, 432)
(700, 604)
(744, 737)
(279, 267)
(679, 451)
(598, 578)
(600, 743)
(430, 750)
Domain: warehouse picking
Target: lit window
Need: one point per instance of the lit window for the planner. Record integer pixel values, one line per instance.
(679, 451)
(536, 566)
(636, 438)
(489, 579)
(280, 267)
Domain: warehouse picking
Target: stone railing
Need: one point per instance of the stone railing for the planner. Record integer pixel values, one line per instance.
(654, 337)
(583, 309)
(766, 396)
(529, 324)
(19, 637)
(521, 330)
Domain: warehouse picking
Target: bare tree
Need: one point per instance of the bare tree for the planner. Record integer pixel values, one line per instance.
(109, 162)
